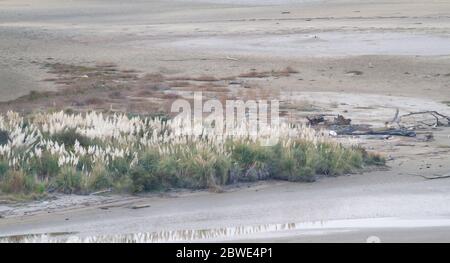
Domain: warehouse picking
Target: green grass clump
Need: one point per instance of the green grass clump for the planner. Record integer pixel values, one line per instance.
(295, 163)
(4, 167)
(45, 167)
(196, 169)
(200, 170)
(118, 167)
(190, 167)
(142, 155)
(144, 174)
(4, 137)
(69, 181)
(69, 136)
(19, 182)
(99, 179)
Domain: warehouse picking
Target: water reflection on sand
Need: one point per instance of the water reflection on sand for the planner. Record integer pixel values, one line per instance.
(230, 233)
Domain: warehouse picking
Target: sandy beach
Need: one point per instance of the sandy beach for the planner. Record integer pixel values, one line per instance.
(362, 59)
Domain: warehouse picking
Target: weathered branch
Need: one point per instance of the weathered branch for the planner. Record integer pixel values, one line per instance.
(434, 177)
(391, 132)
(436, 115)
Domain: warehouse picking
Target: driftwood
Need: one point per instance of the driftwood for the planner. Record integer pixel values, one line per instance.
(315, 119)
(340, 120)
(438, 118)
(320, 119)
(231, 58)
(140, 206)
(433, 177)
(101, 192)
(390, 132)
(342, 126)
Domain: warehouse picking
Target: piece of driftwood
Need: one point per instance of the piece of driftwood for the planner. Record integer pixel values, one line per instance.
(390, 132)
(342, 126)
(395, 119)
(140, 206)
(315, 119)
(101, 192)
(433, 177)
(320, 119)
(438, 118)
(341, 120)
(231, 58)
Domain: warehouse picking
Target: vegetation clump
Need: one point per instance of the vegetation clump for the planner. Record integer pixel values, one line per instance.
(82, 153)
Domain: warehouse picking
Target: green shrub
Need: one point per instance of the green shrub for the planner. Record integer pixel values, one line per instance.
(200, 170)
(149, 161)
(69, 181)
(4, 167)
(356, 159)
(99, 178)
(143, 180)
(85, 163)
(17, 182)
(144, 175)
(247, 154)
(333, 160)
(222, 166)
(253, 161)
(124, 185)
(4, 137)
(40, 188)
(45, 167)
(171, 172)
(188, 166)
(192, 162)
(69, 136)
(299, 162)
(119, 167)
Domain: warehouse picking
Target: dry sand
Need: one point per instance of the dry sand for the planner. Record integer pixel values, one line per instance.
(400, 49)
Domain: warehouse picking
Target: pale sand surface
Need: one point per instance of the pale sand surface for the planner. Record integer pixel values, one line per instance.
(383, 40)
(401, 47)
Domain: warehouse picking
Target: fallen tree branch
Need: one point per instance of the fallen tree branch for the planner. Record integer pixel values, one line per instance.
(436, 115)
(434, 177)
(140, 206)
(320, 118)
(396, 118)
(342, 126)
(101, 192)
(399, 132)
(231, 58)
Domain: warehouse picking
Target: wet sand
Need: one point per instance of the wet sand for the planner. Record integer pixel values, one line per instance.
(400, 48)
(389, 201)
